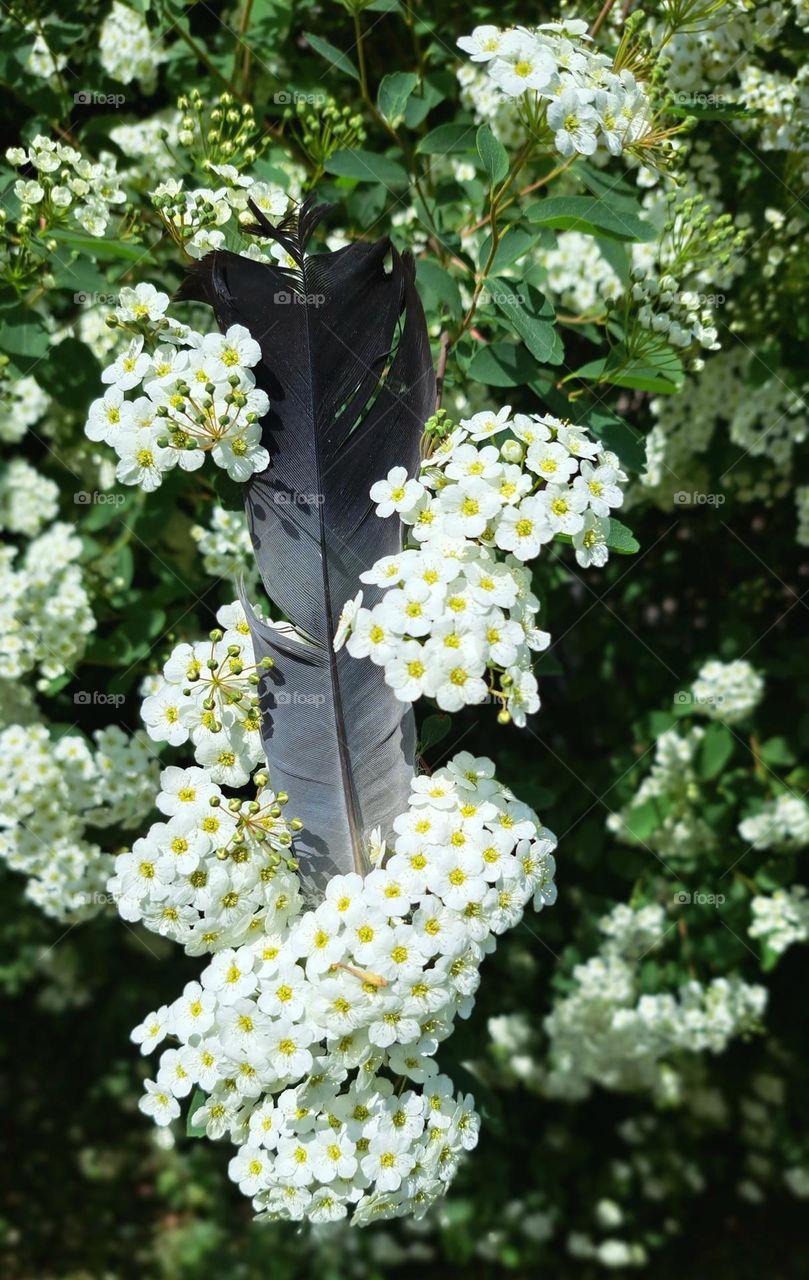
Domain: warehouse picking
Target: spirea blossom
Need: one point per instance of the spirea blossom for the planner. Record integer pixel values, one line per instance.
(45, 613)
(782, 824)
(564, 85)
(175, 396)
(68, 188)
(54, 795)
(457, 617)
(310, 1038)
(208, 693)
(781, 919)
(727, 691)
(127, 49)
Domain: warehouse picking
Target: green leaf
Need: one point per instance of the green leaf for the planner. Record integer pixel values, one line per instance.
(448, 139)
(513, 244)
(502, 364)
(777, 753)
(591, 215)
(102, 248)
(333, 55)
(198, 1099)
(715, 750)
(433, 729)
(641, 821)
(660, 371)
(714, 109)
(621, 539)
(366, 166)
(618, 436)
(493, 155)
(438, 282)
(71, 374)
(24, 338)
(532, 319)
(394, 92)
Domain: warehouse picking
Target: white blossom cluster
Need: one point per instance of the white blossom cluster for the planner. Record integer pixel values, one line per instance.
(45, 613)
(22, 403)
(148, 144)
(606, 1032)
(208, 693)
(783, 825)
(226, 548)
(42, 61)
(563, 81)
(67, 187)
(578, 273)
(200, 218)
(727, 691)
(175, 395)
(28, 500)
(53, 794)
(672, 792)
(781, 918)
(214, 874)
(457, 602)
(765, 420)
(313, 1030)
(128, 50)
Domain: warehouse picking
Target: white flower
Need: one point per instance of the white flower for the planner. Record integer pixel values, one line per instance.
(396, 493)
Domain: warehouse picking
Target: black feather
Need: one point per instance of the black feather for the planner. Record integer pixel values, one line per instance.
(346, 364)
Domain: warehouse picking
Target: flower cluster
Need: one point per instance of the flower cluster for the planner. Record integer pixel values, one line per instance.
(215, 874)
(565, 85)
(727, 691)
(208, 692)
(199, 220)
(782, 824)
(191, 395)
(28, 500)
(457, 603)
(678, 315)
(305, 1018)
(666, 813)
(22, 403)
(51, 793)
(66, 187)
(605, 1032)
(226, 548)
(127, 49)
(45, 613)
(765, 420)
(781, 919)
